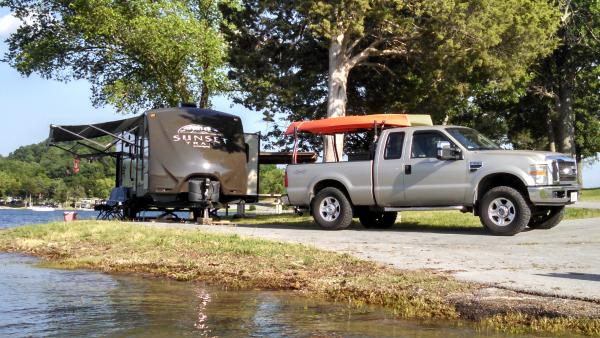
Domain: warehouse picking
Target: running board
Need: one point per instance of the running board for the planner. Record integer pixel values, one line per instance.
(457, 207)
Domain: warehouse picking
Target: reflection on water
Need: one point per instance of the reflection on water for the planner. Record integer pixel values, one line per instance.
(47, 302)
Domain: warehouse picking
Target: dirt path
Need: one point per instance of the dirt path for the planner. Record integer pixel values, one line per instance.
(563, 261)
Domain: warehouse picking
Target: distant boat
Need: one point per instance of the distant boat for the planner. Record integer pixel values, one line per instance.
(42, 208)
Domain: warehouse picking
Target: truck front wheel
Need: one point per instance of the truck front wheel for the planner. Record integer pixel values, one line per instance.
(547, 218)
(331, 209)
(378, 220)
(504, 211)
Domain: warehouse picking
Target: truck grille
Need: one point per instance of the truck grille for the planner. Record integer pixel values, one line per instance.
(564, 171)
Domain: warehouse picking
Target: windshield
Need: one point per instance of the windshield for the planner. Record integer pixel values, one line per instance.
(472, 139)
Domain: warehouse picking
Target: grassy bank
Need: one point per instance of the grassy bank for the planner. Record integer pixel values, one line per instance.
(590, 195)
(236, 262)
(449, 220)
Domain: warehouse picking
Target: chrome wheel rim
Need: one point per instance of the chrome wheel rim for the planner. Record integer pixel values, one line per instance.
(502, 212)
(329, 209)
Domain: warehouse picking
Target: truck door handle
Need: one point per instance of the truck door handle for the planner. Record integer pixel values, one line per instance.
(407, 169)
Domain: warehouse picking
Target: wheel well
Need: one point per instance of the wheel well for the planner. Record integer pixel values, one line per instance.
(496, 180)
(331, 183)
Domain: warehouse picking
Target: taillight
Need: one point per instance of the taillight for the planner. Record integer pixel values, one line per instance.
(285, 181)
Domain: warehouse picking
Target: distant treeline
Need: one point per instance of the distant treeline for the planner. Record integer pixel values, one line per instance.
(46, 174)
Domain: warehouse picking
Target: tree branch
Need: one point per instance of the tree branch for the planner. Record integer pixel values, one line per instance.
(372, 50)
(378, 65)
(543, 92)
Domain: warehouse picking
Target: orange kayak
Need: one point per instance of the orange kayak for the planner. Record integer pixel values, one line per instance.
(349, 124)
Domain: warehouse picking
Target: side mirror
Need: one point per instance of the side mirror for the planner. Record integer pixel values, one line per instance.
(446, 152)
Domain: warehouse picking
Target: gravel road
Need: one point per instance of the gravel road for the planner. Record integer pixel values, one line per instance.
(562, 261)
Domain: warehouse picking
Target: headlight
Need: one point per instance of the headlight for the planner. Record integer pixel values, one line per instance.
(539, 173)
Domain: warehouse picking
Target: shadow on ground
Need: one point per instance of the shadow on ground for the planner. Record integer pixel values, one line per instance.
(573, 275)
(356, 226)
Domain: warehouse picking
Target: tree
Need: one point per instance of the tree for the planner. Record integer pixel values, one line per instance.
(557, 76)
(314, 45)
(137, 54)
(271, 179)
(8, 183)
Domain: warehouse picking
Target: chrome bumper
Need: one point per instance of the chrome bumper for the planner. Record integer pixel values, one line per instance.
(552, 195)
(285, 200)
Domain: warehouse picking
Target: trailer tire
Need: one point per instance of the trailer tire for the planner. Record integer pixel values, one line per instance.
(504, 211)
(331, 209)
(378, 220)
(548, 218)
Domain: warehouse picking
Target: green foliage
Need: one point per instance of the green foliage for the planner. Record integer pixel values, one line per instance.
(137, 54)
(568, 77)
(46, 174)
(271, 179)
(431, 57)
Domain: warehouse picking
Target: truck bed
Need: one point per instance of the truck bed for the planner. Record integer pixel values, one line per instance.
(356, 176)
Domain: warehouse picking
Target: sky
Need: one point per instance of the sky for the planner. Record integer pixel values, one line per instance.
(28, 105)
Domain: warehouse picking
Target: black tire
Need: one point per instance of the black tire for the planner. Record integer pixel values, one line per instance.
(547, 218)
(331, 209)
(504, 211)
(378, 220)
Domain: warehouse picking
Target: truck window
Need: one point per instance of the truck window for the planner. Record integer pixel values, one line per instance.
(424, 144)
(393, 147)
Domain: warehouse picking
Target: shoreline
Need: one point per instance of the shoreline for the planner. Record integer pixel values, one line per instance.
(238, 262)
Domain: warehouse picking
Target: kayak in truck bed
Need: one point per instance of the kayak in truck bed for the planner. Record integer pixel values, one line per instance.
(348, 124)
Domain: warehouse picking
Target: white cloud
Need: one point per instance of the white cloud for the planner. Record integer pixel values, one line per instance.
(9, 24)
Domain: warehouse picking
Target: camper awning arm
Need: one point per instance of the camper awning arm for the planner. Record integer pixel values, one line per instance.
(78, 136)
(116, 136)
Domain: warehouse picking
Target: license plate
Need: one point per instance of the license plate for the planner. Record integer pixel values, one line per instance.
(574, 196)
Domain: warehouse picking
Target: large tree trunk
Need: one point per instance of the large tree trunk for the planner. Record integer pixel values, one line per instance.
(336, 99)
(566, 120)
(551, 137)
(204, 96)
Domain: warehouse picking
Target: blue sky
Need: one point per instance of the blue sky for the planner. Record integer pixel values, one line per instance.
(29, 105)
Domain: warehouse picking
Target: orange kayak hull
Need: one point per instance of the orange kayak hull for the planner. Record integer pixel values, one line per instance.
(348, 124)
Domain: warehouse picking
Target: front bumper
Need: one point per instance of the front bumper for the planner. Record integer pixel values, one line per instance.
(552, 194)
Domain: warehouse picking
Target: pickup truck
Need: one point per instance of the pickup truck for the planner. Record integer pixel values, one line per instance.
(437, 167)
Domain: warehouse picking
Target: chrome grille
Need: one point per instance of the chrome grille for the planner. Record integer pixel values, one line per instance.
(564, 171)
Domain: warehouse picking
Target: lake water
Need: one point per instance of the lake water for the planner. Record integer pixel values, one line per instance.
(15, 217)
(37, 301)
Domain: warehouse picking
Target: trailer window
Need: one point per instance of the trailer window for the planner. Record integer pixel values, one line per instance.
(393, 147)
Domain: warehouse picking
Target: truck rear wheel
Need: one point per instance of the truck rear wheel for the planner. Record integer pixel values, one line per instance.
(378, 220)
(547, 218)
(331, 209)
(504, 211)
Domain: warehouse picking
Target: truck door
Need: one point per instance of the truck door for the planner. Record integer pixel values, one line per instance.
(389, 171)
(429, 181)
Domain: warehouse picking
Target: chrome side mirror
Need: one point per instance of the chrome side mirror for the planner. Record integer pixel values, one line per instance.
(445, 151)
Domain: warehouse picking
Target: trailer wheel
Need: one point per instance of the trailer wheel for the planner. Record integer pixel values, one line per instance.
(504, 211)
(547, 218)
(331, 209)
(378, 220)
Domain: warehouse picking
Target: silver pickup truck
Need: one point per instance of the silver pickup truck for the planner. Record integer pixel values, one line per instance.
(437, 167)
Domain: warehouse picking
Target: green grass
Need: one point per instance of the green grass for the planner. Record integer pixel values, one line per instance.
(444, 220)
(590, 195)
(237, 262)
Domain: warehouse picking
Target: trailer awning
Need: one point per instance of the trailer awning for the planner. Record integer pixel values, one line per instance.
(90, 131)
